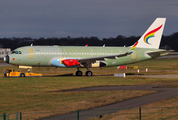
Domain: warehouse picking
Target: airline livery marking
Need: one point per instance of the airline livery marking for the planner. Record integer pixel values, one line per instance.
(151, 34)
(133, 48)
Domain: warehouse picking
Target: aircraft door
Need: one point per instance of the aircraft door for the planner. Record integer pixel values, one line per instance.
(31, 53)
(133, 55)
(139, 54)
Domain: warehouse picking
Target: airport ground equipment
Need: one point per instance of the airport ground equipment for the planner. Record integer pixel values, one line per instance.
(13, 73)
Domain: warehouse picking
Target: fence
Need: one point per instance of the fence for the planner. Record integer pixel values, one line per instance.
(133, 113)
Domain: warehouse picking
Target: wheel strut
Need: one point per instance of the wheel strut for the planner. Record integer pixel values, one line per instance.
(78, 72)
(88, 72)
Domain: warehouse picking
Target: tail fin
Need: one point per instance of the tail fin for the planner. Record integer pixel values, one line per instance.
(152, 37)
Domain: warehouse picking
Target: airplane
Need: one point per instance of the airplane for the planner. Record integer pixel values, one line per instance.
(146, 48)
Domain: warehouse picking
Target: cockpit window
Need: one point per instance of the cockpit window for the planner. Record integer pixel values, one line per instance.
(16, 52)
(13, 52)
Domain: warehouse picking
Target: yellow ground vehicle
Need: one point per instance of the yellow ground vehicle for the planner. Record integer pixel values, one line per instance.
(12, 73)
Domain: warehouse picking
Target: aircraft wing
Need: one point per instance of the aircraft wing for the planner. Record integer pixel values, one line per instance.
(102, 57)
(82, 61)
(109, 56)
(72, 62)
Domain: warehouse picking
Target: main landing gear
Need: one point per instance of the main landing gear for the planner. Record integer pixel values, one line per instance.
(78, 73)
(88, 72)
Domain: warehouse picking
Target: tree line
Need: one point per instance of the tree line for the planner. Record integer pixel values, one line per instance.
(168, 42)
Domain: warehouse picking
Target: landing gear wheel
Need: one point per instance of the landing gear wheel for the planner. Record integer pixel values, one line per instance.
(88, 73)
(78, 73)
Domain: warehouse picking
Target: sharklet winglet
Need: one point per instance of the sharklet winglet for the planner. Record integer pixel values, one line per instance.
(133, 48)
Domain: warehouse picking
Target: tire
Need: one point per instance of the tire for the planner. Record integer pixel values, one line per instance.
(88, 73)
(22, 75)
(79, 73)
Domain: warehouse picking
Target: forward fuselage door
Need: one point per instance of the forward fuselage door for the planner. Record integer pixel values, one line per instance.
(30, 53)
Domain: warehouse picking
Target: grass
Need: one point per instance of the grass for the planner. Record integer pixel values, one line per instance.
(22, 95)
(40, 94)
(62, 102)
(163, 110)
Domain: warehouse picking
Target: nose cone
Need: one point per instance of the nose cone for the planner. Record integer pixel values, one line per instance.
(6, 59)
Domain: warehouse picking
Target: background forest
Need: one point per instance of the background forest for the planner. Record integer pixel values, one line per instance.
(168, 42)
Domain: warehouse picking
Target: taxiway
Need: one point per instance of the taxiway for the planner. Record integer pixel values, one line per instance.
(163, 93)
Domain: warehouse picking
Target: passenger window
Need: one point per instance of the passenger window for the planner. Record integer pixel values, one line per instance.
(20, 52)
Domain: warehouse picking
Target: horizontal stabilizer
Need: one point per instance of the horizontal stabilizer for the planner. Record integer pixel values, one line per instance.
(159, 53)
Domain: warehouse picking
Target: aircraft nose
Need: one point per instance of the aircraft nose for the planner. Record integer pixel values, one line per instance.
(6, 59)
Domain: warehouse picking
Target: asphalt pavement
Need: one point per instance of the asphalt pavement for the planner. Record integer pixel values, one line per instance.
(162, 94)
(5, 64)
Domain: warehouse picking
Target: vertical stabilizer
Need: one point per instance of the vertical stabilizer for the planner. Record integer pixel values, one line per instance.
(152, 37)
